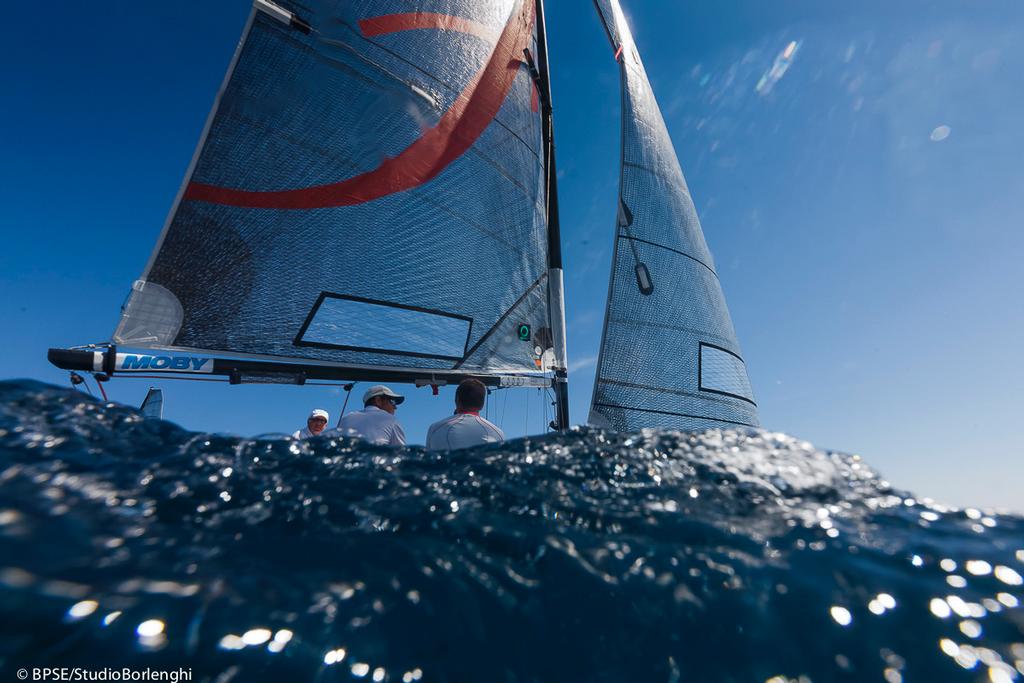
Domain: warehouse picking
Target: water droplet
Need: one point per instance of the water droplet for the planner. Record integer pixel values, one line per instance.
(940, 133)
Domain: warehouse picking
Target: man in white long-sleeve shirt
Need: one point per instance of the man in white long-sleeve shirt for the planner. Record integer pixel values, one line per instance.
(376, 422)
(465, 428)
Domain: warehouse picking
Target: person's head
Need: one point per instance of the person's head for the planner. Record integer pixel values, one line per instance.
(382, 397)
(317, 420)
(470, 395)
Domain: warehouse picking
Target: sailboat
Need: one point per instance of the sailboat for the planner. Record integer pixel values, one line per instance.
(414, 150)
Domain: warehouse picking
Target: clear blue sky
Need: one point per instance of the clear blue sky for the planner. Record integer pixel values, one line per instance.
(865, 211)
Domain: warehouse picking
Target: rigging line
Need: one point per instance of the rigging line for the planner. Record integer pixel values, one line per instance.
(348, 394)
(81, 380)
(500, 320)
(526, 415)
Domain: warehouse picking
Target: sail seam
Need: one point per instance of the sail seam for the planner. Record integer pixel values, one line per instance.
(666, 326)
(669, 412)
(675, 251)
(677, 392)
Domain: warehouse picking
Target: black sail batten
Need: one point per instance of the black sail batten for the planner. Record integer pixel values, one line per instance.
(372, 196)
(669, 356)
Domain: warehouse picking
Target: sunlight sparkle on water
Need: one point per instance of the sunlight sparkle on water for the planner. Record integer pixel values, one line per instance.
(1007, 599)
(978, 567)
(256, 636)
(82, 609)
(231, 642)
(150, 628)
(1008, 576)
(841, 615)
(970, 628)
(939, 608)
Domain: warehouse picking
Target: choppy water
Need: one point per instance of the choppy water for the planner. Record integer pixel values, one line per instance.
(728, 556)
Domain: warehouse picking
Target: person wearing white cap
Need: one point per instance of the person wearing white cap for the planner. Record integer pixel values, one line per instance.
(376, 422)
(315, 424)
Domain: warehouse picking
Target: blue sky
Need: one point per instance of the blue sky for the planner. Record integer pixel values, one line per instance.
(865, 211)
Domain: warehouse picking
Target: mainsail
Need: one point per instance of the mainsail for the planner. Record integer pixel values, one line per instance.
(370, 192)
(669, 356)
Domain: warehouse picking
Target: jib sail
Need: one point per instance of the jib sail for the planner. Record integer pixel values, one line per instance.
(669, 356)
(370, 191)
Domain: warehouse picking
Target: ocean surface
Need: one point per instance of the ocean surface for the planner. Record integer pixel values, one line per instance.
(590, 556)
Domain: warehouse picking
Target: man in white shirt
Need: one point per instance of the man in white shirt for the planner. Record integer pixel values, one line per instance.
(315, 424)
(376, 422)
(465, 428)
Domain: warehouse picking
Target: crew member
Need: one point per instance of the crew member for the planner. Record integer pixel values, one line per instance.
(465, 428)
(376, 422)
(314, 424)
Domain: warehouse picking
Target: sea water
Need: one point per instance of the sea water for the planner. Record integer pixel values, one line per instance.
(589, 556)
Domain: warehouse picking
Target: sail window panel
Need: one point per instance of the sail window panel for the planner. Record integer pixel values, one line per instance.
(357, 324)
(723, 372)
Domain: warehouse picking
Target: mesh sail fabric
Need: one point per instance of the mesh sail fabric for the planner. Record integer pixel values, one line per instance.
(669, 356)
(370, 193)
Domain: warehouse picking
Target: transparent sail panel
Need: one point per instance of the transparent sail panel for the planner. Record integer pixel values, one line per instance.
(669, 356)
(369, 192)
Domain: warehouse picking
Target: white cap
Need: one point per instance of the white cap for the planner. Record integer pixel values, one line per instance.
(319, 412)
(381, 390)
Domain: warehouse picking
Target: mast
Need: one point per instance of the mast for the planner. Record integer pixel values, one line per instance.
(556, 291)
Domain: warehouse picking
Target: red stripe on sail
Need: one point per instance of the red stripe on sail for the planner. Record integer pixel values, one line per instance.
(456, 131)
(393, 23)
